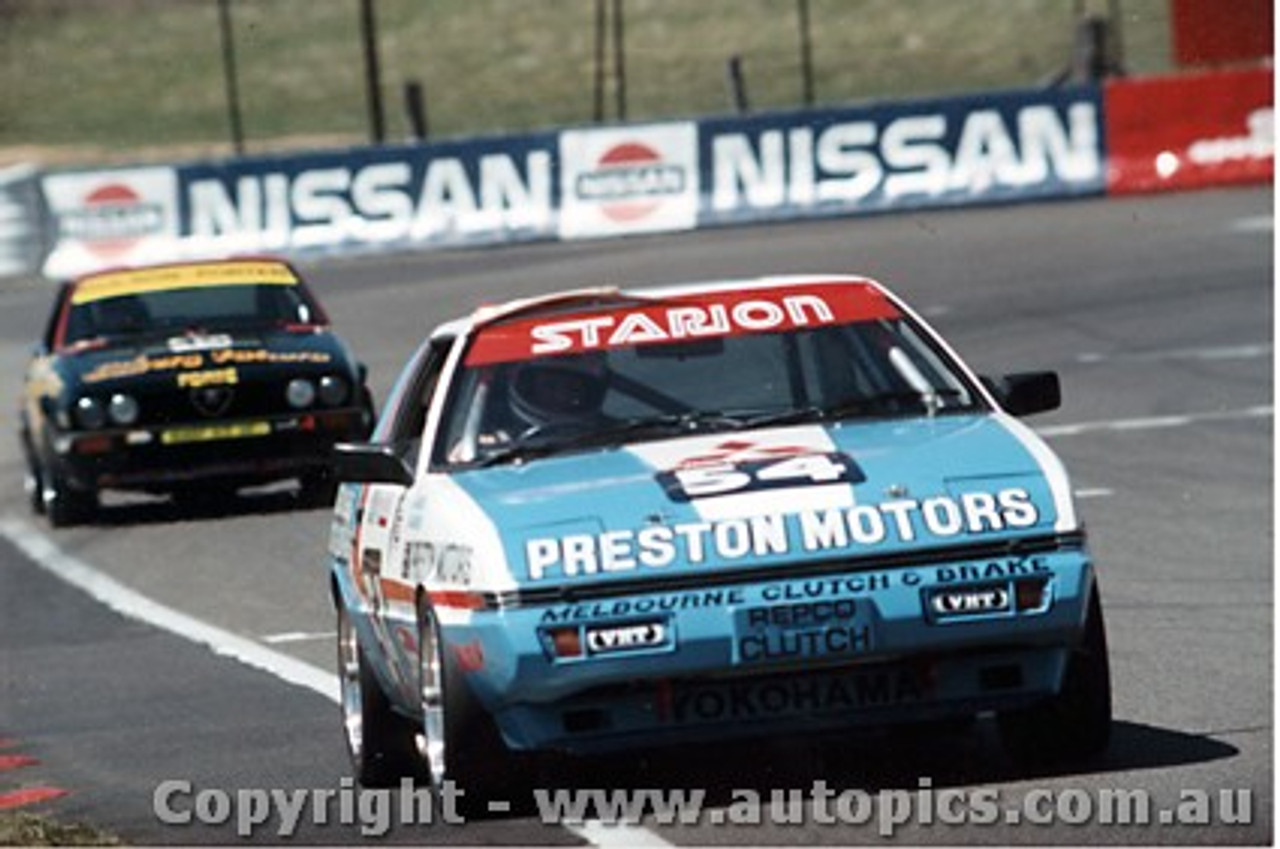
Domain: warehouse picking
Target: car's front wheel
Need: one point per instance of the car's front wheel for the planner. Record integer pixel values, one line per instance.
(381, 743)
(462, 744)
(1074, 725)
(63, 504)
(33, 484)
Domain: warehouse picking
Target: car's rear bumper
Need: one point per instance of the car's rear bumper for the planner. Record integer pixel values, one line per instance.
(258, 449)
(862, 648)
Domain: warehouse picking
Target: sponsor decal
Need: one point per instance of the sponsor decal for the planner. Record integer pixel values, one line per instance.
(1016, 145)
(1154, 142)
(439, 194)
(198, 342)
(680, 319)
(438, 563)
(626, 636)
(971, 600)
(243, 356)
(741, 476)
(738, 474)
(209, 377)
(628, 180)
(111, 221)
(806, 629)
(696, 600)
(110, 217)
(214, 275)
(837, 530)
(143, 364)
(781, 697)
(991, 569)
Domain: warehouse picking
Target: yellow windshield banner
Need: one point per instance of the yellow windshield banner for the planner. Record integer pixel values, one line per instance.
(114, 284)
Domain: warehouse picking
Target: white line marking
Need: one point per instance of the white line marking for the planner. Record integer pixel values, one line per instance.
(298, 637)
(609, 835)
(132, 604)
(1254, 224)
(1155, 422)
(1231, 352)
(1095, 492)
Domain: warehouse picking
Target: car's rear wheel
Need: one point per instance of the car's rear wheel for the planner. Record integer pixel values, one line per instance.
(1074, 725)
(461, 742)
(381, 743)
(63, 504)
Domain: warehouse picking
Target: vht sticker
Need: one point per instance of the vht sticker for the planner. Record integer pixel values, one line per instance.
(950, 602)
(607, 639)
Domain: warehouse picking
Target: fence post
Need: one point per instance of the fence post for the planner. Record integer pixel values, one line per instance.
(619, 61)
(737, 84)
(372, 70)
(230, 76)
(415, 108)
(806, 51)
(597, 103)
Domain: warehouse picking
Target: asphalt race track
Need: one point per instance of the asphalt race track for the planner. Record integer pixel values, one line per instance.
(1156, 311)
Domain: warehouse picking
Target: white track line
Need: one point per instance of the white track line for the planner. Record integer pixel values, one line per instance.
(1155, 422)
(1222, 352)
(132, 604)
(609, 835)
(1254, 224)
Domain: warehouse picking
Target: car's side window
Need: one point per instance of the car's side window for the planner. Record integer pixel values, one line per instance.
(411, 418)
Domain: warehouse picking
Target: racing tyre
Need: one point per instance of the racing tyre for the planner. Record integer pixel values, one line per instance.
(381, 742)
(317, 489)
(1074, 725)
(34, 486)
(66, 506)
(461, 742)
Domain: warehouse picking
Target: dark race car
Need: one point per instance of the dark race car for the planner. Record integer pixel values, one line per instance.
(192, 379)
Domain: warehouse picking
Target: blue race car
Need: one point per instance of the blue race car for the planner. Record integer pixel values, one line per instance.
(611, 519)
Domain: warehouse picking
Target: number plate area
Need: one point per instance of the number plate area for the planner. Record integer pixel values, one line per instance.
(802, 630)
(210, 433)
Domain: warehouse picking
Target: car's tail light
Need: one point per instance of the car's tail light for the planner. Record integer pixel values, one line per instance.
(566, 642)
(1029, 593)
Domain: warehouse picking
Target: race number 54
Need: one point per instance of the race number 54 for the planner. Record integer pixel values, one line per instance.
(706, 481)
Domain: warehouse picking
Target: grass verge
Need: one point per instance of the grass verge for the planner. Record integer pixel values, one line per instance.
(119, 80)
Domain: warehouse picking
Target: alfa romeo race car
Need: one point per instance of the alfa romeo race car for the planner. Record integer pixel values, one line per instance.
(192, 379)
(610, 519)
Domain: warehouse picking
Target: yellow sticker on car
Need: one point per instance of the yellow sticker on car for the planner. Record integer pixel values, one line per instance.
(210, 433)
(114, 284)
(208, 377)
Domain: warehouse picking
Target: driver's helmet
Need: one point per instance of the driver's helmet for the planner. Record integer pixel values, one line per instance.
(559, 389)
